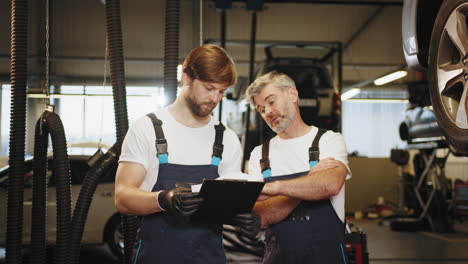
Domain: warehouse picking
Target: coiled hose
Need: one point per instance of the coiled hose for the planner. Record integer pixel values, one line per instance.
(18, 79)
(115, 44)
(171, 48)
(116, 60)
(39, 202)
(99, 168)
(114, 40)
(50, 123)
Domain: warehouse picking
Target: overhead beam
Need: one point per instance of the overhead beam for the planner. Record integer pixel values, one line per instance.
(134, 60)
(363, 27)
(81, 80)
(371, 80)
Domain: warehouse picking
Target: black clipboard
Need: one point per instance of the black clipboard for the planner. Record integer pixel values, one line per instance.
(223, 199)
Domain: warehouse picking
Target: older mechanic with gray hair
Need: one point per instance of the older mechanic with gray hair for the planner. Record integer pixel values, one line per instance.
(305, 168)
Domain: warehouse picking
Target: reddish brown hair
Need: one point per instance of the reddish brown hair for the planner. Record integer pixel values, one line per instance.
(210, 63)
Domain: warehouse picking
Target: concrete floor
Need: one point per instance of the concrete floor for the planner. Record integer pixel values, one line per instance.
(390, 247)
(384, 245)
(387, 247)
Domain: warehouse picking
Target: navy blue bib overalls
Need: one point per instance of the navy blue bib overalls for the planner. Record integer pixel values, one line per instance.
(165, 239)
(312, 232)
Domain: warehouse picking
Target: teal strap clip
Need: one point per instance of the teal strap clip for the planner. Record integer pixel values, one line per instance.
(215, 160)
(163, 158)
(266, 173)
(312, 163)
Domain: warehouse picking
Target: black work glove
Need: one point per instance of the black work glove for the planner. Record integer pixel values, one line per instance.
(179, 201)
(249, 224)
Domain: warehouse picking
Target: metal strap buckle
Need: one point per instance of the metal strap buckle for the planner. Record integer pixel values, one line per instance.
(161, 146)
(313, 154)
(265, 164)
(218, 150)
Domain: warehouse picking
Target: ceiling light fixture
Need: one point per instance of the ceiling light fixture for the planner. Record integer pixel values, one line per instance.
(390, 77)
(350, 93)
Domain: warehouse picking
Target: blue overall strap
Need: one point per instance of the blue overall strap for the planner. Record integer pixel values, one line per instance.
(314, 151)
(265, 161)
(160, 142)
(218, 145)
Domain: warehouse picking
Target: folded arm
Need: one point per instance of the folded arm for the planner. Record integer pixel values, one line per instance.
(275, 209)
(316, 185)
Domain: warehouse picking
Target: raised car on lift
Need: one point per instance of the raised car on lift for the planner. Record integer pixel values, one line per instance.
(435, 39)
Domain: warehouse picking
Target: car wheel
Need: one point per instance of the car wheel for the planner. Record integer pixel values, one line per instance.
(448, 73)
(114, 237)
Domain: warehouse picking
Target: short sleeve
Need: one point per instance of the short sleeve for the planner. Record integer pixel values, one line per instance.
(332, 145)
(136, 145)
(231, 161)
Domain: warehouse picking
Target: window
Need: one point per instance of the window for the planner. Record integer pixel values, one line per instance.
(5, 118)
(370, 127)
(87, 112)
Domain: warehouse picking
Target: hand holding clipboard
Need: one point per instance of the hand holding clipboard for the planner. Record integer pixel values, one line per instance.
(223, 199)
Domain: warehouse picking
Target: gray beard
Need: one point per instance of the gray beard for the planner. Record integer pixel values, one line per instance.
(281, 126)
(291, 111)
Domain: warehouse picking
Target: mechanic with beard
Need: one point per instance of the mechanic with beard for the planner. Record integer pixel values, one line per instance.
(167, 149)
(302, 203)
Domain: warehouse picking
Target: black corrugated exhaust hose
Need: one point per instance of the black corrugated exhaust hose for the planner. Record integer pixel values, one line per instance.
(115, 47)
(223, 45)
(99, 168)
(116, 60)
(171, 49)
(129, 226)
(39, 211)
(253, 39)
(61, 167)
(18, 79)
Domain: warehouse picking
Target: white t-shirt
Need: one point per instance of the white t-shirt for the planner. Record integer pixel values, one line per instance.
(185, 145)
(289, 156)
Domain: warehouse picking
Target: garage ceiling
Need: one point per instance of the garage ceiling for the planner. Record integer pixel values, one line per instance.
(369, 30)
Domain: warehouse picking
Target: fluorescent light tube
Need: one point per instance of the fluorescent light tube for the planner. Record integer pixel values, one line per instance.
(350, 93)
(390, 77)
